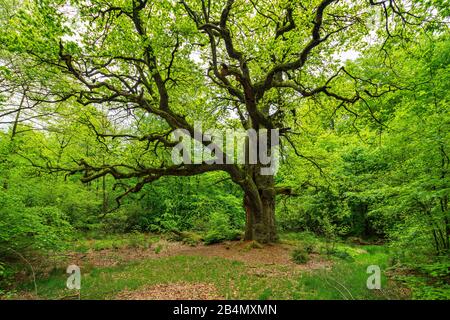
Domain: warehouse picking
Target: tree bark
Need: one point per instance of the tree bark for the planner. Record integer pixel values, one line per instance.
(260, 211)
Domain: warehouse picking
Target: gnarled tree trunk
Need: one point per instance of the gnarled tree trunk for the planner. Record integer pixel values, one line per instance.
(259, 204)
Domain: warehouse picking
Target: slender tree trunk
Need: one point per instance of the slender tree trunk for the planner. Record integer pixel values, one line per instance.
(17, 118)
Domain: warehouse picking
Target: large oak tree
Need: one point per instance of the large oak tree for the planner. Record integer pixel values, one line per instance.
(162, 65)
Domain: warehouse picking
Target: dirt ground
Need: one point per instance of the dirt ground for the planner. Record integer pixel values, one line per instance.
(173, 291)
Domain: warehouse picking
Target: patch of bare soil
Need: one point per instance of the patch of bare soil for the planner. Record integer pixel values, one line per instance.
(173, 291)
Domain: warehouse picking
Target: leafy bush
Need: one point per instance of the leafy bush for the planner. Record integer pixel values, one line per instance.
(6, 276)
(191, 238)
(342, 254)
(169, 204)
(158, 249)
(138, 240)
(24, 227)
(220, 229)
(215, 236)
(300, 256)
(307, 240)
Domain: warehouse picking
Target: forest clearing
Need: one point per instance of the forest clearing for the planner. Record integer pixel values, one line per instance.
(149, 268)
(224, 150)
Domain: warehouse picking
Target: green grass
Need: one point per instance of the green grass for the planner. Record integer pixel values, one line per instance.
(347, 279)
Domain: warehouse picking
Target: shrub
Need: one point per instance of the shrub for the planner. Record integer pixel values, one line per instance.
(30, 227)
(158, 248)
(214, 236)
(6, 276)
(191, 238)
(220, 229)
(305, 239)
(342, 254)
(300, 256)
(310, 248)
(137, 240)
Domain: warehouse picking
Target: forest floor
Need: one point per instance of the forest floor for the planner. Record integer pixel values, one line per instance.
(155, 268)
